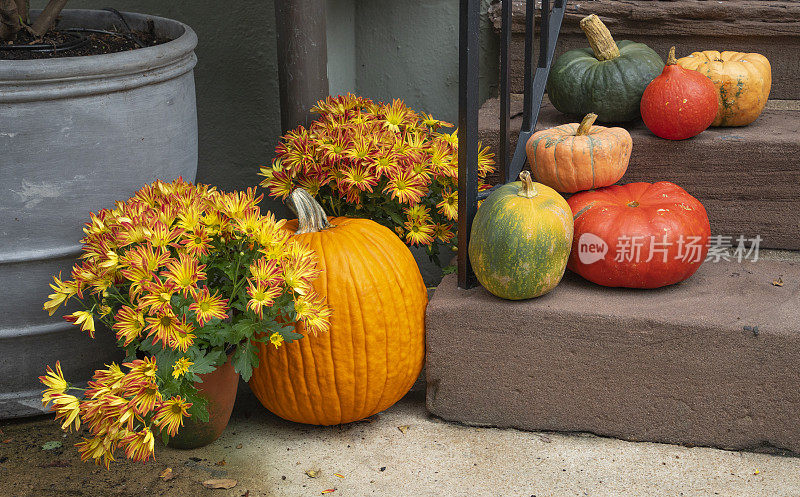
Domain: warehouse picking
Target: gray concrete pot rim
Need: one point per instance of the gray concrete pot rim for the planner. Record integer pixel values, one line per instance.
(66, 77)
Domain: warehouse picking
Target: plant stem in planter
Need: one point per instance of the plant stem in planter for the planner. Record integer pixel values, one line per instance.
(9, 19)
(48, 17)
(14, 15)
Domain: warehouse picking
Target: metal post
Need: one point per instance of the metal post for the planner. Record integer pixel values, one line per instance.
(505, 94)
(535, 83)
(302, 59)
(527, 91)
(469, 13)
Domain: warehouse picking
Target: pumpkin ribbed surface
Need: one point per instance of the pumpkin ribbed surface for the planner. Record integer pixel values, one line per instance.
(375, 349)
(743, 81)
(569, 161)
(579, 83)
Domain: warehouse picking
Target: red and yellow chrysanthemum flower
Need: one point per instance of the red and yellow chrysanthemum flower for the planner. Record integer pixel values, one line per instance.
(170, 414)
(207, 307)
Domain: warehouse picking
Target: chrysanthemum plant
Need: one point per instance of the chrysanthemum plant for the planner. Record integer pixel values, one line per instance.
(379, 161)
(186, 277)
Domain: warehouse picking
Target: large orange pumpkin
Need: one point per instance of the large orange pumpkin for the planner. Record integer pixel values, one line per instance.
(575, 157)
(743, 81)
(375, 349)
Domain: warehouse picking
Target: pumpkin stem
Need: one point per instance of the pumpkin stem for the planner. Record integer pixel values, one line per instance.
(310, 215)
(671, 60)
(528, 189)
(600, 38)
(586, 124)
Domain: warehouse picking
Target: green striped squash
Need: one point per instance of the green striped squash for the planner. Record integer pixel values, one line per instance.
(521, 239)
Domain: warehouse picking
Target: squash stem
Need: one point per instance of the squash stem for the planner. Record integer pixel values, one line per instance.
(310, 215)
(600, 39)
(586, 124)
(671, 60)
(528, 189)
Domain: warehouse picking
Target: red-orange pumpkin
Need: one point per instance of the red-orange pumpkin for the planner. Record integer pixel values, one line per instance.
(679, 103)
(375, 348)
(638, 235)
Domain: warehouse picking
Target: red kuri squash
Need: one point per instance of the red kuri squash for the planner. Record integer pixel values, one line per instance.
(638, 235)
(679, 103)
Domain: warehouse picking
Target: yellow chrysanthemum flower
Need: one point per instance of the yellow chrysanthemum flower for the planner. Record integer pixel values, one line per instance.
(449, 204)
(261, 296)
(313, 313)
(62, 292)
(207, 307)
(84, 319)
(180, 367)
(139, 446)
(170, 415)
(276, 339)
(55, 383)
(184, 272)
(98, 449)
(67, 407)
(128, 324)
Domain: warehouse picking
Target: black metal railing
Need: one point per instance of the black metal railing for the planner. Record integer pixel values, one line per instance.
(468, 103)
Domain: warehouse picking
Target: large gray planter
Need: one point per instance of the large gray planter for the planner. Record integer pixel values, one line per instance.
(76, 134)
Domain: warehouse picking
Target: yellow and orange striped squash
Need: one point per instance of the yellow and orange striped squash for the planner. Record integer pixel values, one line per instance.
(743, 81)
(375, 348)
(574, 157)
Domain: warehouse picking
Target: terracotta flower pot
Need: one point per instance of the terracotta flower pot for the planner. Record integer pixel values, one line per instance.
(219, 387)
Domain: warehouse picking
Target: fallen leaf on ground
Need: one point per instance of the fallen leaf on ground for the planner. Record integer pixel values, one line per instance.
(53, 444)
(239, 446)
(778, 281)
(313, 473)
(338, 475)
(403, 428)
(221, 463)
(8, 440)
(329, 491)
(223, 483)
(58, 463)
(167, 474)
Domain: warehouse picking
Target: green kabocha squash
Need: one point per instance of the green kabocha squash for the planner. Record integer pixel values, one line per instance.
(607, 79)
(521, 239)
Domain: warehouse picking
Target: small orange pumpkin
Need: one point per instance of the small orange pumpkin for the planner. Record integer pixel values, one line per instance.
(575, 157)
(743, 81)
(375, 348)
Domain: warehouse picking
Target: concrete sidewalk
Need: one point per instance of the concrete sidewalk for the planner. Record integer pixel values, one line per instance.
(427, 457)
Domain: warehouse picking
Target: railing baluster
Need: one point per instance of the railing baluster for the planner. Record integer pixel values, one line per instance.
(527, 103)
(544, 40)
(551, 25)
(534, 87)
(505, 93)
(469, 17)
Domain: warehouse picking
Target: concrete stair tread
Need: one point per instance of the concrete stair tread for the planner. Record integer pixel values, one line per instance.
(745, 176)
(769, 28)
(670, 365)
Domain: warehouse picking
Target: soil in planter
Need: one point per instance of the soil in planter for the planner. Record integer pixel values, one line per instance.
(95, 44)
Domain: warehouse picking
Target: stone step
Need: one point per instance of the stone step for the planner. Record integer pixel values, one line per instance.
(746, 177)
(679, 365)
(769, 28)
